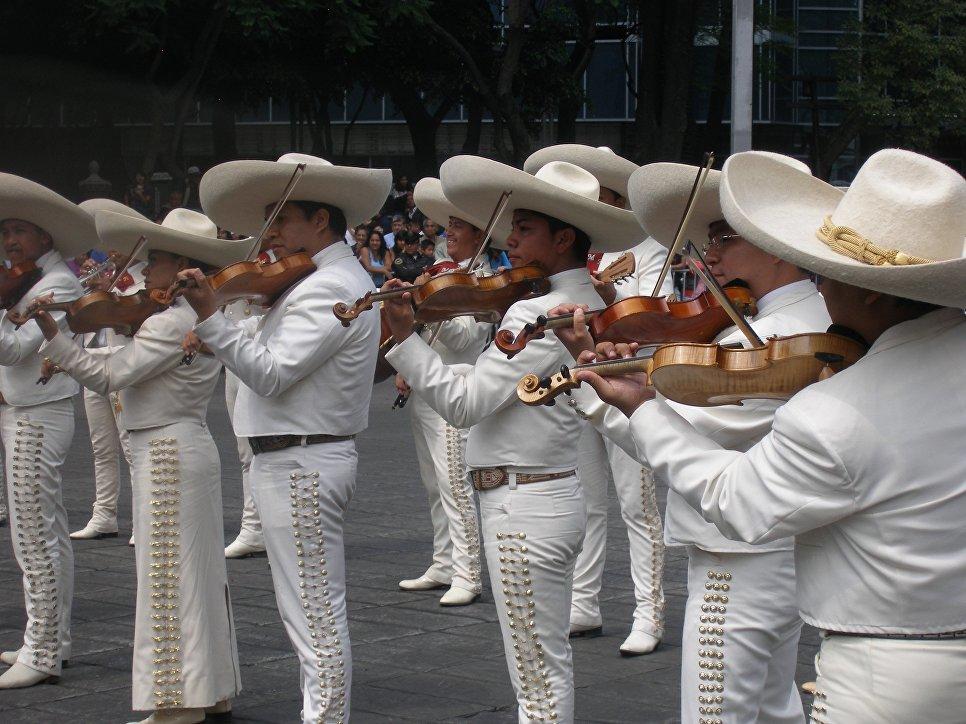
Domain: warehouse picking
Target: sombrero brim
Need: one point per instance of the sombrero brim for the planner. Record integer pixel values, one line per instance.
(611, 170)
(779, 210)
(430, 199)
(659, 194)
(121, 232)
(234, 194)
(475, 184)
(71, 228)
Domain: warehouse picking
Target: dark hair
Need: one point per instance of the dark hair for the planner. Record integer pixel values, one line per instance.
(337, 222)
(426, 243)
(406, 237)
(914, 306)
(581, 245)
(382, 243)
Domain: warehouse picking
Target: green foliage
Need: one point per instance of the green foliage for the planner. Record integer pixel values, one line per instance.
(903, 70)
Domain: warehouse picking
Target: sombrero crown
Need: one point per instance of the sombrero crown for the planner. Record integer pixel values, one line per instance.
(898, 229)
(235, 194)
(610, 170)
(183, 233)
(560, 190)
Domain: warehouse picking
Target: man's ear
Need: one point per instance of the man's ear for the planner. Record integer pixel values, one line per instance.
(564, 239)
(321, 219)
(871, 298)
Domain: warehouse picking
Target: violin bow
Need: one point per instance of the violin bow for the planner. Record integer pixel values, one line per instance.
(484, 245)
(688, 209)
(127, 264)
(719, 293)
(286, 193)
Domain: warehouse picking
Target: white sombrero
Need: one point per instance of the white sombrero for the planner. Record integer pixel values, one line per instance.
(183, 232)
(68, 225)
(659, 193)
(899, 229)
(430, 199)
(611, 171)
(559, 189)
(235, 194)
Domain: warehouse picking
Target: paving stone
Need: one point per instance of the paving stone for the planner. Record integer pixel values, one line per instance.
(413, 660)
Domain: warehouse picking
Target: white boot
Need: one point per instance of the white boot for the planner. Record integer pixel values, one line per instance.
(240, 549)
(9, 657)
(457, 596)
(95, 531)
(19, 676)
(589, 630)
(423, 583)
(174, 716)
(639, 643)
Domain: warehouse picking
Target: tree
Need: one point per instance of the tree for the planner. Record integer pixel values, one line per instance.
(902, 73)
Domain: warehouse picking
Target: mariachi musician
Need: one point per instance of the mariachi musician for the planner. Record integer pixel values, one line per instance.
(522, 460)
(185, 657)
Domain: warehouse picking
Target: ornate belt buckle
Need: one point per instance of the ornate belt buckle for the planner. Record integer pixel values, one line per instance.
(489, 478)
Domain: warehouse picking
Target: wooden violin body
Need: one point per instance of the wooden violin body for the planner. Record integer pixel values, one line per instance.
(384, 370)
(16, 281)
(706, 375)
(645, 320)
(263, 281)
(459, 294)
(99, 310)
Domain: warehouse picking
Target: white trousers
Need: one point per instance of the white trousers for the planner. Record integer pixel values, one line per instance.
(184, 638)
(452, 504)
(35, 441)
(108, 443)
(885, 681)
(532, 534)
(740, 643)
(302, 495)
(601, 461)
(251, 526)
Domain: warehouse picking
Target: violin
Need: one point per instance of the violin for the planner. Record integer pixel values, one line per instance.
(97, 310)
(262, 281)
(16, 281)
(458, 294)
(708, 375)
(645, 320)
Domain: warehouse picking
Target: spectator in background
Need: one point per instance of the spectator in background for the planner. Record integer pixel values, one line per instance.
(398, 224)
(411, 212)
(361, 237)
(498, 259)
(376, 258)
(409, 263)
(140, 196)
(428, 249)
(175, 201)
(431, 233)
(191, 199)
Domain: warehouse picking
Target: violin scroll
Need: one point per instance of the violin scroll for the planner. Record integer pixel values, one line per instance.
(533, 390)
(347, 314)
(512, 344)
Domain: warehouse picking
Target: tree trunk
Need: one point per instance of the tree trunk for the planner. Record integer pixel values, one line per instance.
(474, 127)
(569, 107)
(664, 79)
(835, 142)
(223, 132)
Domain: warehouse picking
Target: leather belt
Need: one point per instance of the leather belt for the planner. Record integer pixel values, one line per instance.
(271, 443)
(489, 478)
(902, 636)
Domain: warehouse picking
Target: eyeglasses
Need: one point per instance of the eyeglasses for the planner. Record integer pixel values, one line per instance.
(717, 241)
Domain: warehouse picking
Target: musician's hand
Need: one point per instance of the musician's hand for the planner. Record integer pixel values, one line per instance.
(49, 368)
(401, 386)
(626, 392)
(605, 290)
(198, 293)
(576, 337)
(47, 324)
(191, 343)
(399, 310)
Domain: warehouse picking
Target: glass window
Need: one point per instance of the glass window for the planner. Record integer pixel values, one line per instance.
(606, 83)
(281, 110)
(254, 114)
(371, 107)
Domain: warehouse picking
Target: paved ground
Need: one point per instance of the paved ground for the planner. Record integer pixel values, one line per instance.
(414, 661)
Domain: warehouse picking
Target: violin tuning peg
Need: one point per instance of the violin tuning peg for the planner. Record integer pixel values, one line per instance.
(551, 402)
(567, 392)
(528, 328)
(541, 320)
(545, 383)
(564, 371)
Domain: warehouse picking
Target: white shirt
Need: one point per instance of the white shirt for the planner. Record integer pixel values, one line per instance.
(866, 469)
(649, 258)
(504, 431)
(792, 309)
(155, 388)
(303, 373)
(19, 358)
